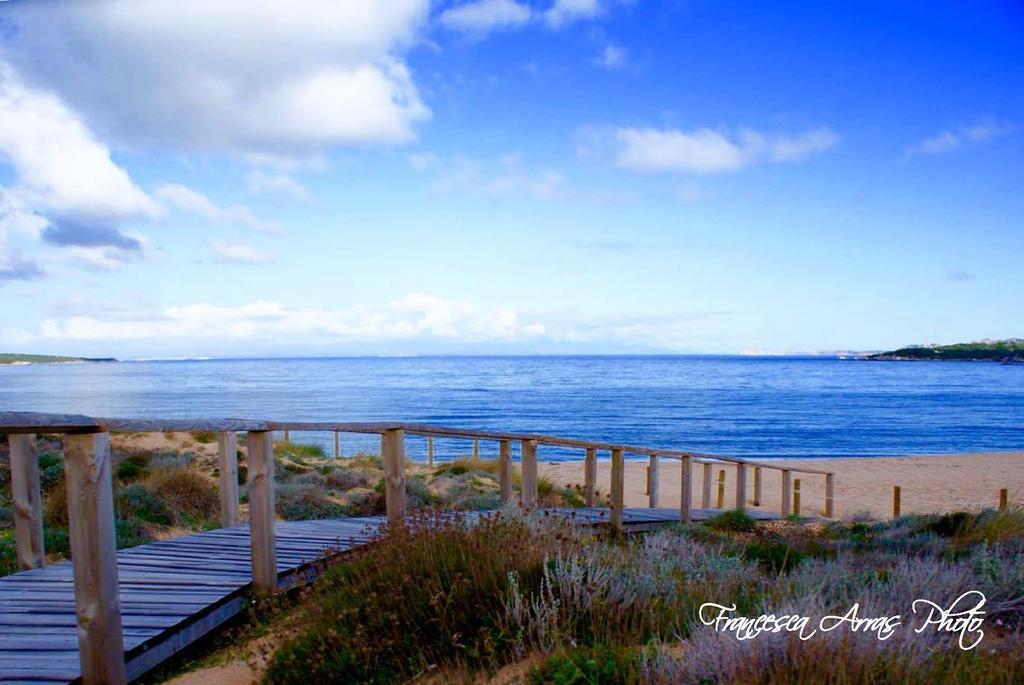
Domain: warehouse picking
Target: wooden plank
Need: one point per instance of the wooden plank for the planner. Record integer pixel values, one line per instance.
(757, 486)
(476, 451)
(90, 497)
(705, 498)
(528, 466)
(120, 425)
(430, 450)
(618, 488)
(829, 496)
(686, 493)
(227, 454)
(652, 481)
(17, 422)
(741, 487)
(786, 481)
(505, 471)
(27, 501)
(392, 452)
(337, 445)
(590, 477)
(261, 510)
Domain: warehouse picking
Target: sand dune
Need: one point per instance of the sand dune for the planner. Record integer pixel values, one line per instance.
(929, 483)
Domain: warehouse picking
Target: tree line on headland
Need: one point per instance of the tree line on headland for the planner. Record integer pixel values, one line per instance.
(1010, 351)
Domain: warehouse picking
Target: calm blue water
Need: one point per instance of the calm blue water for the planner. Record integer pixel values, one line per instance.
(726, 405)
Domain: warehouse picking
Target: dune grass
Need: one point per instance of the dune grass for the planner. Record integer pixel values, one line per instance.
(472, 600)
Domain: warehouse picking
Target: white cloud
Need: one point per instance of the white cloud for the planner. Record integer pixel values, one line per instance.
(612, 57)
(61, 168)
(483, 16)
(239, 253)
(188, 200)
(263, 183)
(565, 12)
(415, 316)
(248, 76)
(950, 141)
(507, 177)
(706, 151)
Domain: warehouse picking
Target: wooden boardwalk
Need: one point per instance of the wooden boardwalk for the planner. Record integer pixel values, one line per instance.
(175, 591)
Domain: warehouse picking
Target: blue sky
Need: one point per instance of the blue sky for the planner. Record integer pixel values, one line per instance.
(502, 176)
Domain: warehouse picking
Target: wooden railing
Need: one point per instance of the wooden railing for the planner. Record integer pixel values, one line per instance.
(87, 464)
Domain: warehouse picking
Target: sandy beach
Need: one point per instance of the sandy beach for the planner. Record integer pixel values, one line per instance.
(929, 484)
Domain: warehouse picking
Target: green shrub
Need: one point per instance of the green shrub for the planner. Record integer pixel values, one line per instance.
(131, 533)
(190, 495)
(301, 502)
(297, 450)
(418, 496)
(774, 557)
(55, 506)
(132, 468)
(51, 470)
(546, 488)
(949, 525)
(414, 602)
(56, 541)
(8, 553)
(135, 501)
(597, 665)
(346, 478)
(733, 521)
(205, 437)
(455, 468)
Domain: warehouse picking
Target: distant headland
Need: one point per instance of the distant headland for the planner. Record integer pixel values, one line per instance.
(18, 359)
(1010, 351)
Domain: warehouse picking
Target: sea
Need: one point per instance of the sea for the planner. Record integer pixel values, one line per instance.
(767, 407)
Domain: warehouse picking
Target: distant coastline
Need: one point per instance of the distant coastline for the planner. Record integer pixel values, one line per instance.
(14, 359)
(1009, 351)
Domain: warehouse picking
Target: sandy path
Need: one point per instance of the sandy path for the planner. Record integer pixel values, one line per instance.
(929, 484)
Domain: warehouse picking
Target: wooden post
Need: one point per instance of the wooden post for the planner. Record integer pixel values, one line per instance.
(528, 465)
(590, 477)
(476, 451)
(652, 482)
(896, 501)
(505, 471)
(705, 498)
(227, 453)
(757, 486)
(90, 495)
(430, 450)
(261, 510)
(337, 445)
(786, 480)
(796, 497)
(392, 452)
(721, 489)
(1003, 496)
(27, 501)
(287, 436)
(686, 495)
(618, 487)
(829, 495)
(741, 486)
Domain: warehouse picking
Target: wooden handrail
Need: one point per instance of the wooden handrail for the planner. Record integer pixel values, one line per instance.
(91, 511)
(25, 422)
